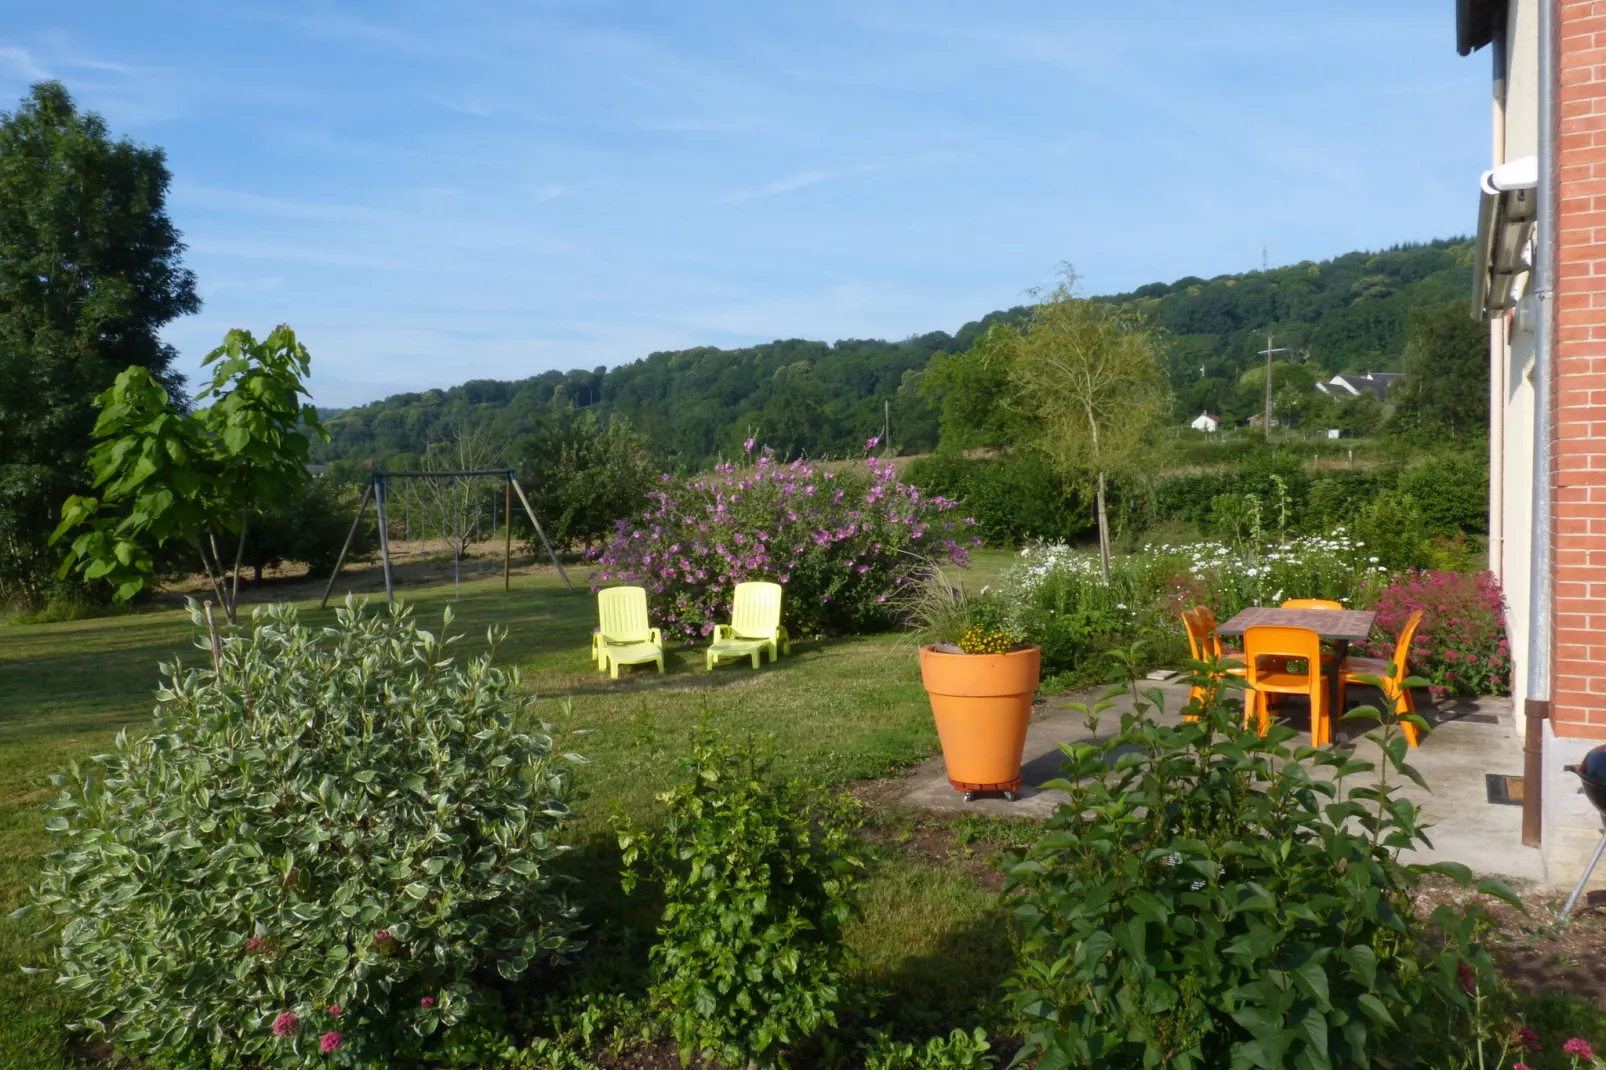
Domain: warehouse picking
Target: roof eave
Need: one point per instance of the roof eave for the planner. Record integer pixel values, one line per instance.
(1475, 22)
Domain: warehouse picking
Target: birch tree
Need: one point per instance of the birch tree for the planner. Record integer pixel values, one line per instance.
(1091, 374)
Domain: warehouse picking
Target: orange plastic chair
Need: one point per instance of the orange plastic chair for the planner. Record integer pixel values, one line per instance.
(1212, 640)
(1268, 650)
(1354, 668)
(1204, 645)
(1315, 603)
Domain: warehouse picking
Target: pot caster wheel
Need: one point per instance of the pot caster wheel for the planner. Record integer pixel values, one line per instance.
(1009, 796)
(970, 796)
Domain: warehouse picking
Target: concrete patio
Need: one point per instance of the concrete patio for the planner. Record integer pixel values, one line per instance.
(1470, 738)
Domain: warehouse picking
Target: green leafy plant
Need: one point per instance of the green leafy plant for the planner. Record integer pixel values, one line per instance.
(332, 841)
(1393, 532)
(1209, 897)
(757, 875)
(958, 1050)
(169, 476)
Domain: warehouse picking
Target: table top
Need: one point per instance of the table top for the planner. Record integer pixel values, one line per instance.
(1349, 624)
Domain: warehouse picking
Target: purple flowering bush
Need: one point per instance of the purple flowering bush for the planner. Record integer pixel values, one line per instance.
(327, 852)
(843, 542)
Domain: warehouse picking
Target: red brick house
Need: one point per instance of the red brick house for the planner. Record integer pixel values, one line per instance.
(1540, 282)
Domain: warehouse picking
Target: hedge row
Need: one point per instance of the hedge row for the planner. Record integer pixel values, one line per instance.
(1016, 497)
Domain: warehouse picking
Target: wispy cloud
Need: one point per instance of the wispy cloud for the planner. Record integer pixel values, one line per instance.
(803, 180)
(243, 203)
(789, 184)
(21, 61)
(304, 254)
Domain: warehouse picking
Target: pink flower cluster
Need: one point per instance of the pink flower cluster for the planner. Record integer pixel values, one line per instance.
(1461, 645)
(841, 542)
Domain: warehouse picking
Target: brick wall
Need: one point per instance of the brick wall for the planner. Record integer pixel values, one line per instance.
(1579, 658)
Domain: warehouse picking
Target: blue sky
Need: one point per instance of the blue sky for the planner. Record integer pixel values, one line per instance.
(433, 192)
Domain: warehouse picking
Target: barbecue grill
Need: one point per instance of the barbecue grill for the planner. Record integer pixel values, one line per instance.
(1592, 772)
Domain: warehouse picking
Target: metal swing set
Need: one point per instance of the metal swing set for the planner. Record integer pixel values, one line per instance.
(377, 491)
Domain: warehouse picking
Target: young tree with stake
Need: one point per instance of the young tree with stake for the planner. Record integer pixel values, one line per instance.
(1092, 375)
(165, 475)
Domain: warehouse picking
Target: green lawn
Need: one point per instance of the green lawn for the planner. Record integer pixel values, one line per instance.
(842, 710)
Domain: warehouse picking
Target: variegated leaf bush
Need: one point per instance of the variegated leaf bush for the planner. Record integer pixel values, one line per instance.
(327, 851)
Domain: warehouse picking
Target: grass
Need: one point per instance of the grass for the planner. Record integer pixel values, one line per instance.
(841, 710)
(933, 939)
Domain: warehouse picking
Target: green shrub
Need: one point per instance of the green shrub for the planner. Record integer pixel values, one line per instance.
(1337, 498)
(757, 874)
(339, 838)
(1393, 533)
(1014, 497)
(1207, 899)
(1190, 499)
(311, 528)
(1452, 493)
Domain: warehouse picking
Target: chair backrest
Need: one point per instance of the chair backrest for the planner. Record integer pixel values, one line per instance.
(1196, 636)
(1267, 640)
(1312, 603)
(623, 613)
(1209, 640)
(756, 610)
(1402, 649)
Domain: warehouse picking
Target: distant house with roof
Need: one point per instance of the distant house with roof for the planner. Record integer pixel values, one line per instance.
(1353, 385)
(1206, 422)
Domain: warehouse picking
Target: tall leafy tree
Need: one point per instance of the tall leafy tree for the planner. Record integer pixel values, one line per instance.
(90, 271)
(584, 473)
(1092, 373)
(1445, 392)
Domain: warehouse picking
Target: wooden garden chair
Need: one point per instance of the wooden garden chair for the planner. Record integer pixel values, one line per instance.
(755, 626)
(626, 635)
(1268, 654)
(1354, 669)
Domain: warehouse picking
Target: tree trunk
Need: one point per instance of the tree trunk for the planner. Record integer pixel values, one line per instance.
(1104, 531)
(239, 559)
(207, 568)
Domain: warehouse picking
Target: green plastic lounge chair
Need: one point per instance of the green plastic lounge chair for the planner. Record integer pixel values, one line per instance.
(754, 628)
(625, 637)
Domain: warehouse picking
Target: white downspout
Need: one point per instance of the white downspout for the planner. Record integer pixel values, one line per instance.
(1497, 339)
(1536, 707)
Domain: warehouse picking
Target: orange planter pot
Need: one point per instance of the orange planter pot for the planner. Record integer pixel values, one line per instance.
(981, 703)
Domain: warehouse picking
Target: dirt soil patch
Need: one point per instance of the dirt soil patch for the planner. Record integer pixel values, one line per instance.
(1531, 952)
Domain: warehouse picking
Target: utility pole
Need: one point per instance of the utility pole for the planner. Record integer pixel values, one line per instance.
(886, 424)
(1267, 353)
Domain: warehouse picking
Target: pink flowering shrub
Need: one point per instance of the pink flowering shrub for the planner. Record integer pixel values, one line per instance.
(842, 543)
(1461, 645)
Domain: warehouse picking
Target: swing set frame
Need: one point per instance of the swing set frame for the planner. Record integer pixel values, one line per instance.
(376, 492)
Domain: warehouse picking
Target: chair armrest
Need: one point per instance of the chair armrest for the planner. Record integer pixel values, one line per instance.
(655, 635)
(783, 640)
(723, 631)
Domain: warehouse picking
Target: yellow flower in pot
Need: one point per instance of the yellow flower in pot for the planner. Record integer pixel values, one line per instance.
(981, 690)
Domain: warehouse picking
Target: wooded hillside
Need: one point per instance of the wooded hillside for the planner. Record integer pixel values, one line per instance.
(800, 396)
